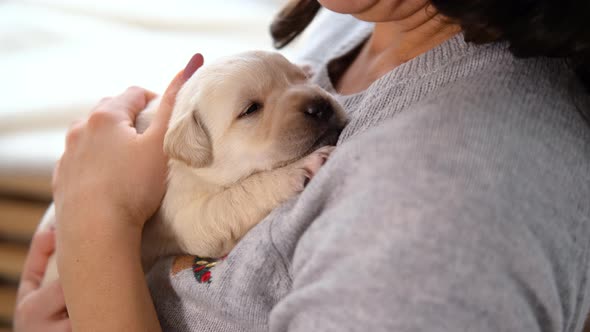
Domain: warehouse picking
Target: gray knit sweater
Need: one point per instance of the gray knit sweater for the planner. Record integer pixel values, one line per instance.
(458, 200)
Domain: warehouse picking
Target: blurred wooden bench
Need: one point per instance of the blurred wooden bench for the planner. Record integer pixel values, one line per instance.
(25, 193)
(18, 221)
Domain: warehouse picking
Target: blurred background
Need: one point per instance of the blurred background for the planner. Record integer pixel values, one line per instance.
(59, 57)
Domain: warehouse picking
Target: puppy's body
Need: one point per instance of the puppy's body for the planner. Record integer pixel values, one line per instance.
(245, 135)
(209, 221)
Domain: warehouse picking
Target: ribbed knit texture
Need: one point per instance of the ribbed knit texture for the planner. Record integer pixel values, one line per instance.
(458, 200)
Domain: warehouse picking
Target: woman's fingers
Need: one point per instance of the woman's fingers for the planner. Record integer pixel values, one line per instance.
(123, 108)
(42, 247)
(134, 100)
(160, 123)
(126, 107)
(52, 297)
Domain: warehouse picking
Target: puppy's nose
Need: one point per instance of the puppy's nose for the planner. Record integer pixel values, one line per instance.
(320, 109)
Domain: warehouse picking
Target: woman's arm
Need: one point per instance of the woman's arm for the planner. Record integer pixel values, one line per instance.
(109, 181)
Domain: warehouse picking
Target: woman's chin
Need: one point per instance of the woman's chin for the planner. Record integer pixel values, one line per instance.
(352, 7)
(377, 10)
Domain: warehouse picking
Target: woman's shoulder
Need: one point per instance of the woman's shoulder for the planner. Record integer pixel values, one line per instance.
(511, 121)
(538, 98)
(489, 76)
(523, 135)
(525, 107)
(486, 82)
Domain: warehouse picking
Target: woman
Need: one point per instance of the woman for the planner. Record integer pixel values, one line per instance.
(457, 199)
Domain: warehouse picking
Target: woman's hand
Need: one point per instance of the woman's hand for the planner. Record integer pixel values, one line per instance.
(39, 308)
(110, 170)
(109, 181)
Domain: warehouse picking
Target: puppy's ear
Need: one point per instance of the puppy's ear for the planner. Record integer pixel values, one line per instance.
(188, 140)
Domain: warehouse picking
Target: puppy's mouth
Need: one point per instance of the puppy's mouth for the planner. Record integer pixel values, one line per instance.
(329, 137)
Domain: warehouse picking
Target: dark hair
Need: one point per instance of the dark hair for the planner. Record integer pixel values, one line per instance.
(292, 20)
(532, 27)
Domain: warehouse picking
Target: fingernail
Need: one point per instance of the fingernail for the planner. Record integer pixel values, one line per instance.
(192, 66)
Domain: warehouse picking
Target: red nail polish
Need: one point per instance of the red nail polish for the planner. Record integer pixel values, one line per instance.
(192, 66)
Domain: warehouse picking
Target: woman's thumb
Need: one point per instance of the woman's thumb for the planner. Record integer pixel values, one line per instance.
(160, 123)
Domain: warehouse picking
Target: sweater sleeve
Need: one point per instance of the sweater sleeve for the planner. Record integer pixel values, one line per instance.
(436, 222)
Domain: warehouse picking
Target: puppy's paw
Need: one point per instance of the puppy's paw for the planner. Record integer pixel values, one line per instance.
(307, 167)
(308, 70)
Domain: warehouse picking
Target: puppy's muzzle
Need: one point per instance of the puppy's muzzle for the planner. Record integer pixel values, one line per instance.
(319, 109)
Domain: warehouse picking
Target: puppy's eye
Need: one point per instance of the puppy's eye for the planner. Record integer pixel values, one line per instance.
(254, 107)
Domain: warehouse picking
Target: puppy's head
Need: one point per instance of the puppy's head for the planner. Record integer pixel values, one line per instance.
(250, 112)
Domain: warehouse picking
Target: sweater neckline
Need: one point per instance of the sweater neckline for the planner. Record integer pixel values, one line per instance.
(425, 63)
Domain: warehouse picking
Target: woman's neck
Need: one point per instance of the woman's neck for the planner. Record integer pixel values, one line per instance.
(393, 43)
(402, 41)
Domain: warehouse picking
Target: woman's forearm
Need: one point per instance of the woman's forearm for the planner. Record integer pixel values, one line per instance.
(103, 280)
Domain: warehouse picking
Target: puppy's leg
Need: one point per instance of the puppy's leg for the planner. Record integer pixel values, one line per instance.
(223, 218)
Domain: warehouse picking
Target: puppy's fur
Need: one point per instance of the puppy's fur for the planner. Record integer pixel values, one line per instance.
(245, 135)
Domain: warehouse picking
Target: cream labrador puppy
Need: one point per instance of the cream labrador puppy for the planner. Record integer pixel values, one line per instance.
(246, 134)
